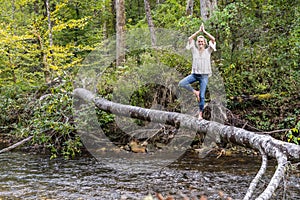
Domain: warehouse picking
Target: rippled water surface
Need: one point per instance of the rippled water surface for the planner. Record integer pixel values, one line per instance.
(25, 176)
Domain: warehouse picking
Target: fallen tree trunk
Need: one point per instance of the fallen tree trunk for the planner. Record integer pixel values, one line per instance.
(268, 146)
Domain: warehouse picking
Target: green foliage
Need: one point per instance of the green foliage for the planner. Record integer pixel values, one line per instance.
(135, 11)
(258, 53)
(104, 117)
(168, 13)
(51, 122)
(293, 135)
(26, 57)
(51, 119)
(14, 108)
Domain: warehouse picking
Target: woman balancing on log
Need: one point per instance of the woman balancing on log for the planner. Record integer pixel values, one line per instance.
(201, 67)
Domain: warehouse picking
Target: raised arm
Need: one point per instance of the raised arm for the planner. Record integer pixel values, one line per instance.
(202, 29)
(212, 38)
(195, 34)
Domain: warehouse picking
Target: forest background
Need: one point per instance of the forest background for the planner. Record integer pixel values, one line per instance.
(43, 45)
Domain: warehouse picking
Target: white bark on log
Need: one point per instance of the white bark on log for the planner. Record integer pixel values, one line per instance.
(258, 176)
(270, 147)
(277, 177)
(232, 134)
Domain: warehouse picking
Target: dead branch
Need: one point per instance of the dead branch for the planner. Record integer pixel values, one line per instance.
(16, 145)
(258, 176)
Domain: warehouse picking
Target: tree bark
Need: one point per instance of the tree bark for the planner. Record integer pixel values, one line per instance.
(45, 63)
(150, 22)
(49, 23)
(120, 29)
(258, 176)
(207, 7)
(268, 146)
(189, 7)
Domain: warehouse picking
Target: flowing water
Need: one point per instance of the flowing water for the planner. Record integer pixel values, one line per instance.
(27, 176)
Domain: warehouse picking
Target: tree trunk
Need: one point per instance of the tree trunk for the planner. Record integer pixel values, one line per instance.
(11, 59)
(207, 7)
(104, 24)
(268, 146)
(49, 23)
(46, 65)
(189, 7)
(150, 22)
(120, 29)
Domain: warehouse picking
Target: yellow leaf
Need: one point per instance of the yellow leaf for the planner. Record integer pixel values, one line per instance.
(54, 67)
(295, 130)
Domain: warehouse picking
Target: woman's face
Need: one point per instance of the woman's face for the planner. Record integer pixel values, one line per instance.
(201, 42)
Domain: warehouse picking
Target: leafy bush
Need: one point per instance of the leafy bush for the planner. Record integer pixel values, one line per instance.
(293, 135)
(52, 123)
(45, 113)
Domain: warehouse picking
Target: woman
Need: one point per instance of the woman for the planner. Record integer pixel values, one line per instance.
(201, 67)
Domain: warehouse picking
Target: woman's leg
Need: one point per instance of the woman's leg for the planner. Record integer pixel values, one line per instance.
(186, 84)
(203, 80)
(187, 81)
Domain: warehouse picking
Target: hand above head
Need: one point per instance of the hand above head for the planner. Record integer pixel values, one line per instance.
(202, 27)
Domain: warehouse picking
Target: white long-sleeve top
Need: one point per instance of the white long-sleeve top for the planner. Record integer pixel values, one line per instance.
(201, 61)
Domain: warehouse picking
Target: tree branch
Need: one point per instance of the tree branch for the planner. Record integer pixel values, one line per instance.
(16, 145)
(258, 176)
(273, 132)
(276, 179)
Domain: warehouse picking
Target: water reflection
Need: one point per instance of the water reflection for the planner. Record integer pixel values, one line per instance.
(25, 176)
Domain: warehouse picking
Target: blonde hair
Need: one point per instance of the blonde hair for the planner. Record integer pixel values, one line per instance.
(201, 36)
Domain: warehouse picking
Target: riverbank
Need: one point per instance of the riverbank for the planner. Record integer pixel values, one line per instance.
(6, 140)
(214, 150)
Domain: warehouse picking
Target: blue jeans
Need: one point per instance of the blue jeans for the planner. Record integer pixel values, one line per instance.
(203, 80)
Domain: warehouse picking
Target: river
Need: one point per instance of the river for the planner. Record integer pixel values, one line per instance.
(31, 176)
